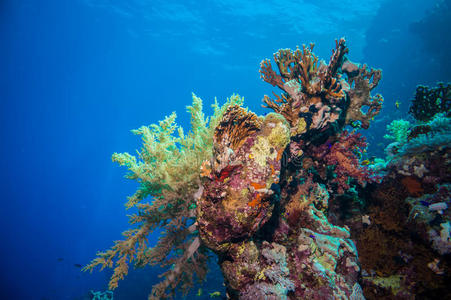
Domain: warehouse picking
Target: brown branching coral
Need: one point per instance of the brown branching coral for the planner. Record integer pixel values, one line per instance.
(283, 105)
(307, 82)
(307, 68)
(336, 58)
(304, 80)
(362, 82)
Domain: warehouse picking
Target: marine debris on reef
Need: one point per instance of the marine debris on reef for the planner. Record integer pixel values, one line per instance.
(286, 201)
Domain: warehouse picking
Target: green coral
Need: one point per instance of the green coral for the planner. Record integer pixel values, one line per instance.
(167, 168)
(399, 131)
(170, 162)
(275, 135)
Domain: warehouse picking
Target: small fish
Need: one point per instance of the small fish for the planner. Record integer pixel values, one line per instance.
(397, 103)
(215, 294)
(366, 162)
(312, 236)
(356, 124)
(60, 259)
(77, 265)
(199, 292)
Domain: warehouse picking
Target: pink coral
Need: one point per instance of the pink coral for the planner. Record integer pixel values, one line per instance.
(343, 155)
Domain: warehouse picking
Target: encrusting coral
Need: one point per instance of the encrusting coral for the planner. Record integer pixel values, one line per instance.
(256, 190)
(245, 165)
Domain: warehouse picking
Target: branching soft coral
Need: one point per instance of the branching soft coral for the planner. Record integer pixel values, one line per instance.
(168, 170)
(362, 80)
(399, 131)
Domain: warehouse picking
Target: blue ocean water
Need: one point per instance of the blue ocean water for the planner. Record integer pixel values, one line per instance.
(77, 76)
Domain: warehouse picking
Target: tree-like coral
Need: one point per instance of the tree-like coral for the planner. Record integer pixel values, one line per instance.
(362, 83)
(304, 80)
(168, 171)
(320, 92)
(255, 190)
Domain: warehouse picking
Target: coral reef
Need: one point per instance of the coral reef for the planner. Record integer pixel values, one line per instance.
(168, 171)
(257, 191)
(403, 238)
(267, 187)
(399, 131)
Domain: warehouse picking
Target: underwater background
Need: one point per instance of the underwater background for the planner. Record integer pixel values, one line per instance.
(77, 76)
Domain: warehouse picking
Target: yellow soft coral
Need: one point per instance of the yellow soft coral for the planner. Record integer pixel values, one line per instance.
(275, 135)
(168, 168)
